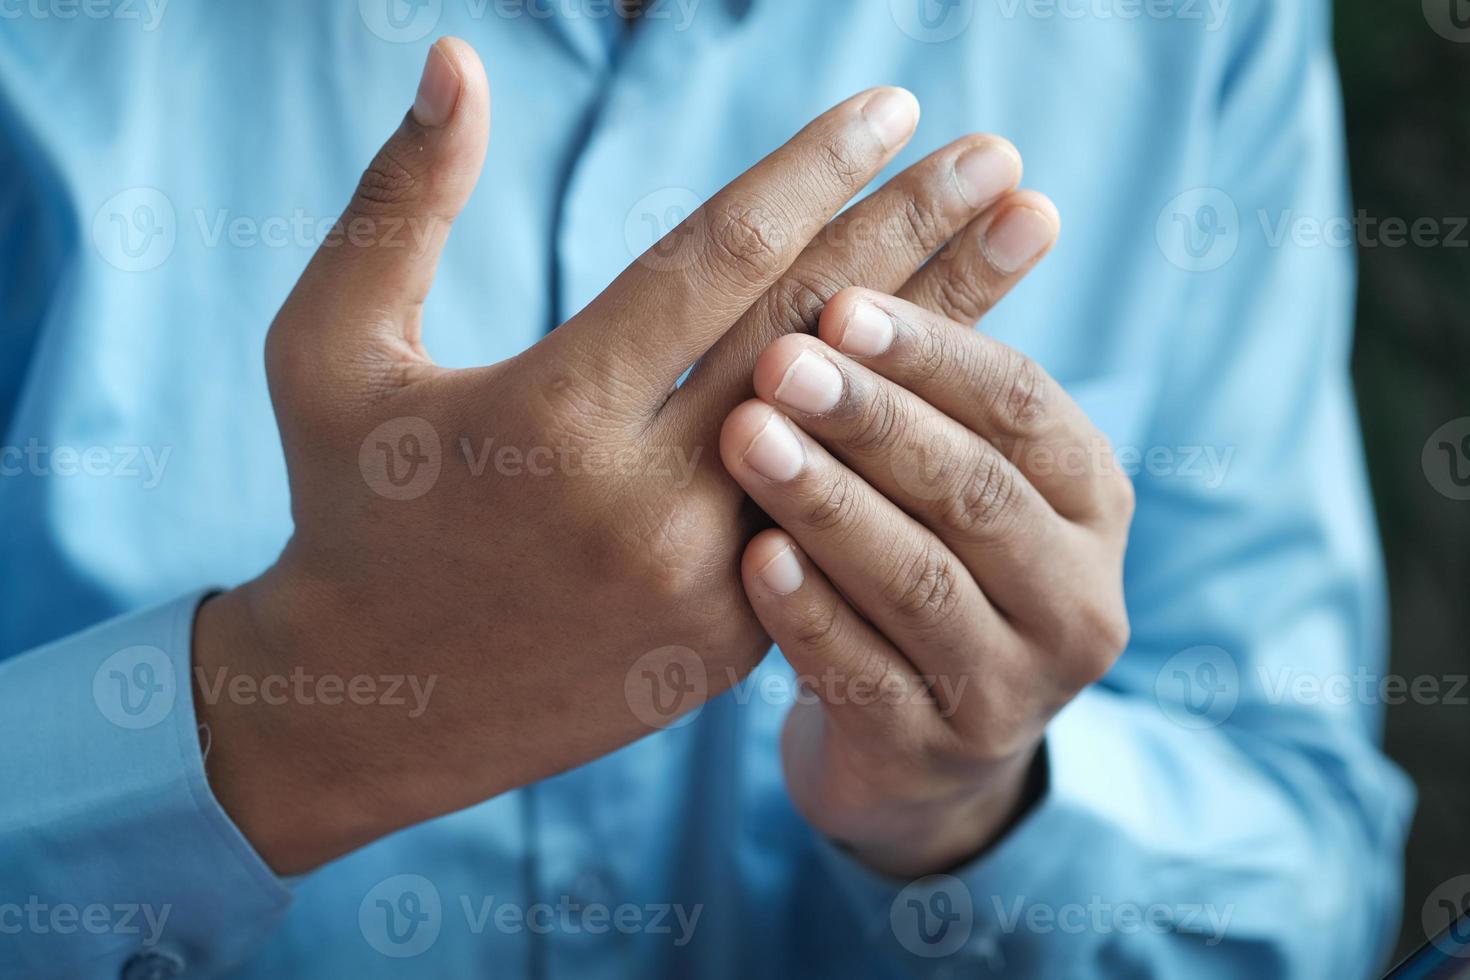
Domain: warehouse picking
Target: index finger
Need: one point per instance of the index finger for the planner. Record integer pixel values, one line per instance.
(667, 308)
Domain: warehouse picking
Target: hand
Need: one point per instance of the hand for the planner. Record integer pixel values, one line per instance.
(948, 569)
(527, 588)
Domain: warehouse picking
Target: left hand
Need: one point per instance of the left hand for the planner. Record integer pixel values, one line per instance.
(947, 572)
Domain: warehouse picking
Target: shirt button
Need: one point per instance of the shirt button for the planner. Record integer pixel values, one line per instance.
(152, 965)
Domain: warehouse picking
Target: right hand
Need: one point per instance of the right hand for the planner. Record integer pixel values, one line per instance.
(529, 591)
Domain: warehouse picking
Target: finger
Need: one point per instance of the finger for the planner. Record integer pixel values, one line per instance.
(668, 307)
(994, 391)
(366, 285)
(894, 571)
(950, 480)
(867, 686)
(878, 243)
(965, 281)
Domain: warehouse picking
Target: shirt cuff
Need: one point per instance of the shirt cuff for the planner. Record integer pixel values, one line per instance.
(115, 857)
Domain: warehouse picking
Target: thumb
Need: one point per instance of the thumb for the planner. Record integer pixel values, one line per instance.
(367, 283)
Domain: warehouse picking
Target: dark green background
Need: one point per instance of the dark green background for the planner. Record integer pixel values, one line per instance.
(1408, 113)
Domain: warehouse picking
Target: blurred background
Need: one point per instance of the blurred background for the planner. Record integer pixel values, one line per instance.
(1406, 76)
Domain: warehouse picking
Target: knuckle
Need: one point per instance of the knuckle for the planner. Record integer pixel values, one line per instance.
(1100, 633)
(831, 507)
(1122, 497)
(925, 591)
(963, 297)
(1020, 403)
(573, 400)
(876, 420)
(920, 223)
(818, 631)
(797, 301)
(661, 544)
(988, 497)
(841, 160)
(934, 356)
(388, 183)
(743, 240)
(280, 352)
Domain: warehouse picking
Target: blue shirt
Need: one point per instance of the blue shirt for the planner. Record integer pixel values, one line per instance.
(168, 169)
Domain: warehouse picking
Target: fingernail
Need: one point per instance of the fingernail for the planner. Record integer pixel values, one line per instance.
(811, 384)
(775, 452)
(782, 574)
(868, 332)
(985, 172)
(892, 113)
(1017, 237)
(438, 90)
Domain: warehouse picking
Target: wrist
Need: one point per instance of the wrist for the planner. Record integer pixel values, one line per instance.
(950, 832)
(275, 763)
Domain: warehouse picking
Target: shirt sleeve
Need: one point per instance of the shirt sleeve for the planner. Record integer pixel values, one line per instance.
(1218, 806)
(115, 858)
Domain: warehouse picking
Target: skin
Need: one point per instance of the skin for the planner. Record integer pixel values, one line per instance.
(979, 593)
(530, 600)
